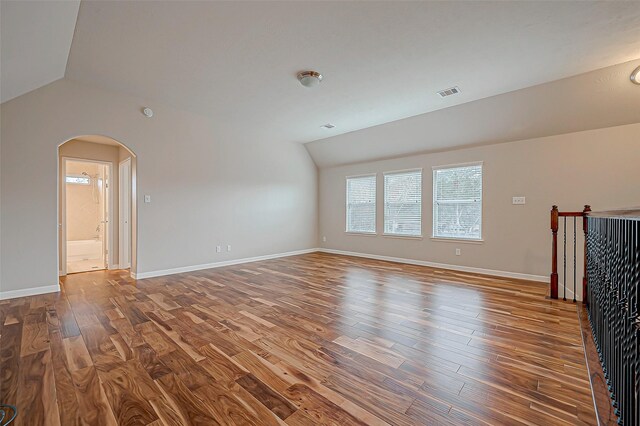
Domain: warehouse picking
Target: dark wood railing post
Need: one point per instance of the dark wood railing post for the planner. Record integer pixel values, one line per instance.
(585, 213)
(554, 253)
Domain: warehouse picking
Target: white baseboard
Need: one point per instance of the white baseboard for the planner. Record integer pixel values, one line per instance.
(12, 294)
(162, 272)
(516, 275)
(504, 274)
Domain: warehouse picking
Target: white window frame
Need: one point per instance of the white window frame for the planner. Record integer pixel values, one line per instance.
(384, 197)
(433, 227)
(375, 205)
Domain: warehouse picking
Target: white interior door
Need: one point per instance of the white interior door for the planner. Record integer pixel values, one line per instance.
(125, 214)
(106, 226)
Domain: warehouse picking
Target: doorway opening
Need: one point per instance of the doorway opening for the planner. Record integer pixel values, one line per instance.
(96, 205)
(88, 210)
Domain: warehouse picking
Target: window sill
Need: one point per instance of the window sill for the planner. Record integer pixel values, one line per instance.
(457, 240)
(365, 234)
(404, 237)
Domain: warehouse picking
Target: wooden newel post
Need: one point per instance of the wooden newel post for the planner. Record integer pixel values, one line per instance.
(585, 213)
(554, 253)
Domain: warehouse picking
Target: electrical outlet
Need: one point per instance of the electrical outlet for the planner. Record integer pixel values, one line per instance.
(229, 248)
(458, 252)
(218, 249)
(518, 200)
(324, 239)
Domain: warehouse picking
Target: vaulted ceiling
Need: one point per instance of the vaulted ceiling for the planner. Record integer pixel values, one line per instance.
(382, 61)
(35, 38)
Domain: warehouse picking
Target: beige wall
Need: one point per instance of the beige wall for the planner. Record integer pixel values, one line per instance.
(209, 186)
(597, 167)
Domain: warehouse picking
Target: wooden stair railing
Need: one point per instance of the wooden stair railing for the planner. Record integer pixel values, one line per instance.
(555, 222)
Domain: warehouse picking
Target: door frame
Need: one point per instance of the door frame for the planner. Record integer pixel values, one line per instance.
(108, 230)
(122, 228)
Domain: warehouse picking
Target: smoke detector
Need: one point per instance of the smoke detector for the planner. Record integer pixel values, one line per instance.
(448, 92)
(309, 78)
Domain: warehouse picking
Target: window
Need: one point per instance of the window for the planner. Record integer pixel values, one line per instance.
(403, 203)
(361, 204)
(457, 202)
(78, 180)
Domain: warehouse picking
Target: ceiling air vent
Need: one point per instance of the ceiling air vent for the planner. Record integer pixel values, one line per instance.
(328, 126)
(448, 92)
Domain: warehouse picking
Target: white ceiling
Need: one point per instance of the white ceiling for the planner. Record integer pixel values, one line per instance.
(382, 61)
(594, 100)
(35, 41)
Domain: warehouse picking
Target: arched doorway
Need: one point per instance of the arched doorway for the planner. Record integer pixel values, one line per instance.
(96, 205)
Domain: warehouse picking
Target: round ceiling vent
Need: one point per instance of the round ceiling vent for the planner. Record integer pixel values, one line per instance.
(309, 78)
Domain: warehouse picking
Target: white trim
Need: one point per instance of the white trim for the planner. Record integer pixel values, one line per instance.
(62, 223)
(454, 166)
(363, 175)
(61, 212)
(404, 237)
(434, 203)
(586, 361)
(504, 274)
(384, 202)
(123, 229)
(366, 234)
(457, 240)
(12, 294)
(179, 270)
(375, 203)
(569, 294)
(395, 172)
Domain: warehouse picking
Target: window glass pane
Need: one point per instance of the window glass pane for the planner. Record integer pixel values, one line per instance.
(403, 203)
(361, 204)
(79, 180)
(457, 202)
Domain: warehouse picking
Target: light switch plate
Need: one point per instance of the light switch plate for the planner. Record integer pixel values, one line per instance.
(147, 198)
(519, 200)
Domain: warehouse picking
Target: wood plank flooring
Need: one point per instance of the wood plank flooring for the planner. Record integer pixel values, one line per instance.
(310, 339)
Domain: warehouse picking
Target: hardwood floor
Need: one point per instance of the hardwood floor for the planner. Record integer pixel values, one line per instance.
(310, 339)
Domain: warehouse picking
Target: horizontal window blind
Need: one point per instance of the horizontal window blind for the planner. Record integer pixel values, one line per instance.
(457, 202)
(403, 203)
(361, 204)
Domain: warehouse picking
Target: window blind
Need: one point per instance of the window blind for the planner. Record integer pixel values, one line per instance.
(361, 204)
(457, 202)
(403, 203)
